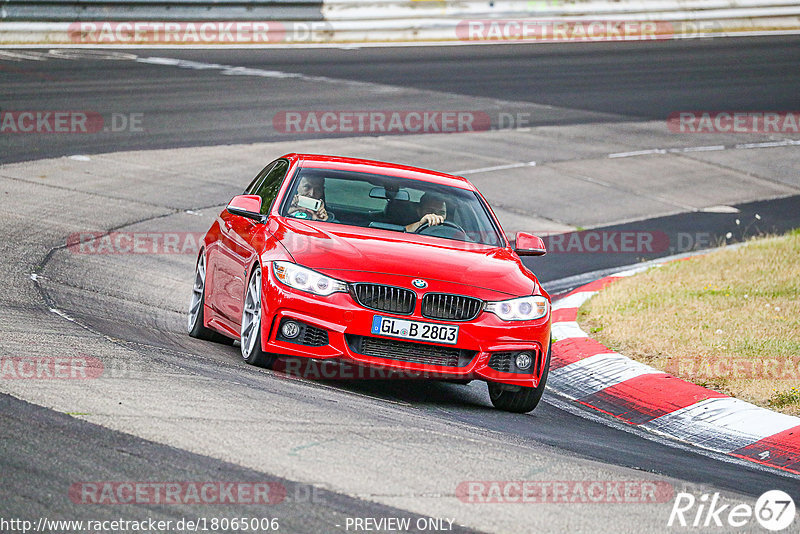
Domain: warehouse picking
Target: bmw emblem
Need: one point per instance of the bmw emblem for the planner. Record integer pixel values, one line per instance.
(419, 284)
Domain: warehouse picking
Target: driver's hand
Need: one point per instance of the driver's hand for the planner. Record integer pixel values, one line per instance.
(431, 219)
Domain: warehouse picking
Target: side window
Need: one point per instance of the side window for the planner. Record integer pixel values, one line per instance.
(250, 190)
(268, 188)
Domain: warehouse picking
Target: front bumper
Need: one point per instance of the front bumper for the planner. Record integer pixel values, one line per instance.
(346, 324)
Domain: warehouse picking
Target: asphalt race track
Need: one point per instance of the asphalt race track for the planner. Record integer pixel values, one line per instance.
(554, 84)
(171, 408)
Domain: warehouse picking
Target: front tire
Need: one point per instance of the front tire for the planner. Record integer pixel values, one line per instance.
(251, 324)
(521, 399)
(196, 307)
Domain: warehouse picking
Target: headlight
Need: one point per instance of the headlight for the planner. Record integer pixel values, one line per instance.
(520, 309)
(304, 279)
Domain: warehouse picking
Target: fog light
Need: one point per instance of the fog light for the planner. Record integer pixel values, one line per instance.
(290, 329)
(524, 361)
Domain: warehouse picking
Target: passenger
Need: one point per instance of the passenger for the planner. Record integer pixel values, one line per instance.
(311, 187)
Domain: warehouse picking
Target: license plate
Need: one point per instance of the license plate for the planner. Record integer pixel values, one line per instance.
(435, 333)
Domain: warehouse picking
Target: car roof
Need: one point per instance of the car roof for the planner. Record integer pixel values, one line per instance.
(320, 161)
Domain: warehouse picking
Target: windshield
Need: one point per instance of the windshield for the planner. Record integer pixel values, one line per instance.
(390, 203)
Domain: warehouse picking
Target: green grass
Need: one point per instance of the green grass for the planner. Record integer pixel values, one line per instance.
(784, 399)
(729, 320)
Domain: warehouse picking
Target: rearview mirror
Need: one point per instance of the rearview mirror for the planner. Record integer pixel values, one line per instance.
(381, 192)
(247, 206)
(529, 245)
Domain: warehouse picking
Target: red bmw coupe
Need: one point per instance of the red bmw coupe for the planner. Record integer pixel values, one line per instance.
(378, 265)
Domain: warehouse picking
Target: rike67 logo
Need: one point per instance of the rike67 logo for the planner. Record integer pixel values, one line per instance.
(774, 510)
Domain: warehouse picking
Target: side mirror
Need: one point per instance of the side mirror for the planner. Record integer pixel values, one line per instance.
(247, 206)
(529, 245)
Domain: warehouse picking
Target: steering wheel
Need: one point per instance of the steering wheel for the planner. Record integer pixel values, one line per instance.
(426, 226)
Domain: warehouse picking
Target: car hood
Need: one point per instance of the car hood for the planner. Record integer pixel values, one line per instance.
(346, 252)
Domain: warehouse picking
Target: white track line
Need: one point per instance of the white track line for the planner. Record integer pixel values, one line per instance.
(497, 168)
(709, 148)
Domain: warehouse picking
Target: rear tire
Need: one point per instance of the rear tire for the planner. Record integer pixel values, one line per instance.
(251, 324)
(196, 308)
(522, 399)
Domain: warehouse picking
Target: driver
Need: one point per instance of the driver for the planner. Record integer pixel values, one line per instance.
(432, 211)
(312, 187)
